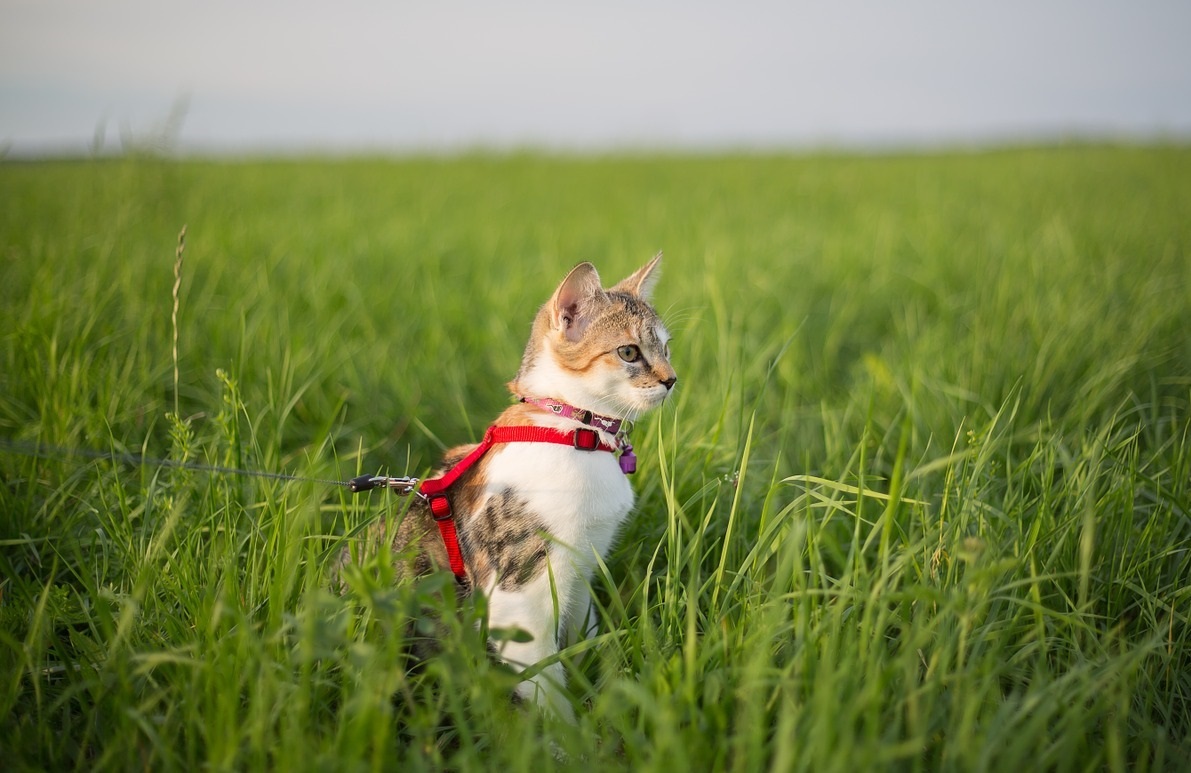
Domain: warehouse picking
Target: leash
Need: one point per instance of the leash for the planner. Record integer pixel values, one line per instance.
(42, 451)
(432, 490)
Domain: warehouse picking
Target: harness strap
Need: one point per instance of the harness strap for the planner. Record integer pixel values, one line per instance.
(434, 490)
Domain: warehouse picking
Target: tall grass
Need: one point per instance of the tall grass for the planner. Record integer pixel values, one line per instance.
(920, 501)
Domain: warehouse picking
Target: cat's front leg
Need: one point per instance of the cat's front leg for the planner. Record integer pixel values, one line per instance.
(530, 609)
(581, 621)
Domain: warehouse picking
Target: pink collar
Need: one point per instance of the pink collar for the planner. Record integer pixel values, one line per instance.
(605, 423)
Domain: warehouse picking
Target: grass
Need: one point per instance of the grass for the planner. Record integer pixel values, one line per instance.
(921, 500)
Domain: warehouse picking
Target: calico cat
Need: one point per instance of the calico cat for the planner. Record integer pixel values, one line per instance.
(529, 512)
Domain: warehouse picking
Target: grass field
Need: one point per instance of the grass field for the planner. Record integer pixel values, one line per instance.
(921, 501)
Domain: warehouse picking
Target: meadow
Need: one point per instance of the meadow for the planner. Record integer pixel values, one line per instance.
(921, 499)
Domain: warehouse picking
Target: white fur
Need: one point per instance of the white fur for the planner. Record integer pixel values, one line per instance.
(582, 498)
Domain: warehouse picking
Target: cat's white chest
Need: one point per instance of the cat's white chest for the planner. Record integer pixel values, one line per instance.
(581, 497)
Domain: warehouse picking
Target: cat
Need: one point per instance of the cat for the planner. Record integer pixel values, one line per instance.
(530, 518)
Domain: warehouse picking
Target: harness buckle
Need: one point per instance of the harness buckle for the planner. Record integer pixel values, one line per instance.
(586, 439)
(440, 507)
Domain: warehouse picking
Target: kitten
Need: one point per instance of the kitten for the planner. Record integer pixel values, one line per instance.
(531, 517)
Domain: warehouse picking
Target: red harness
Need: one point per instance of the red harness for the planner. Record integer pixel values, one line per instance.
(434, 490)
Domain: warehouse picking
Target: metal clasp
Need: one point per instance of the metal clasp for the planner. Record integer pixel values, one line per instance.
(402, 486)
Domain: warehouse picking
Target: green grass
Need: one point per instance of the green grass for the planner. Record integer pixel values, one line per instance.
(922, 499)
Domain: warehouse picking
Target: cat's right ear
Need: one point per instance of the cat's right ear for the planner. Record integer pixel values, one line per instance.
(572, 305)
(643, 280)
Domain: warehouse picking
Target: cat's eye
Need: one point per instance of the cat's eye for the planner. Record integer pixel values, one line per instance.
(629, 353)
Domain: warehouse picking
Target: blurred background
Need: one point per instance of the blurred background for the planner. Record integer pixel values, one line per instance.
(279, 77)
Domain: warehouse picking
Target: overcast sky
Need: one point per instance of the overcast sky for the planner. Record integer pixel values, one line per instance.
(301, 75)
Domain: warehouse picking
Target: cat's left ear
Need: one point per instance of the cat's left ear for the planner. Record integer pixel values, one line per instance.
(643, 280)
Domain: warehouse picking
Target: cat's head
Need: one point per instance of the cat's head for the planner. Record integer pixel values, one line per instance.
(602, 350)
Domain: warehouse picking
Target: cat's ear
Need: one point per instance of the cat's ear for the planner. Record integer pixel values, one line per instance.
(643, 280)
(574, 301)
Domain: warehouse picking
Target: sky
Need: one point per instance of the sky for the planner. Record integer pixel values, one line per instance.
(300, 76)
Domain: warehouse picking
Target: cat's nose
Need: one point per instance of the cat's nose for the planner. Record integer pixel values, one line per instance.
(669, 382)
